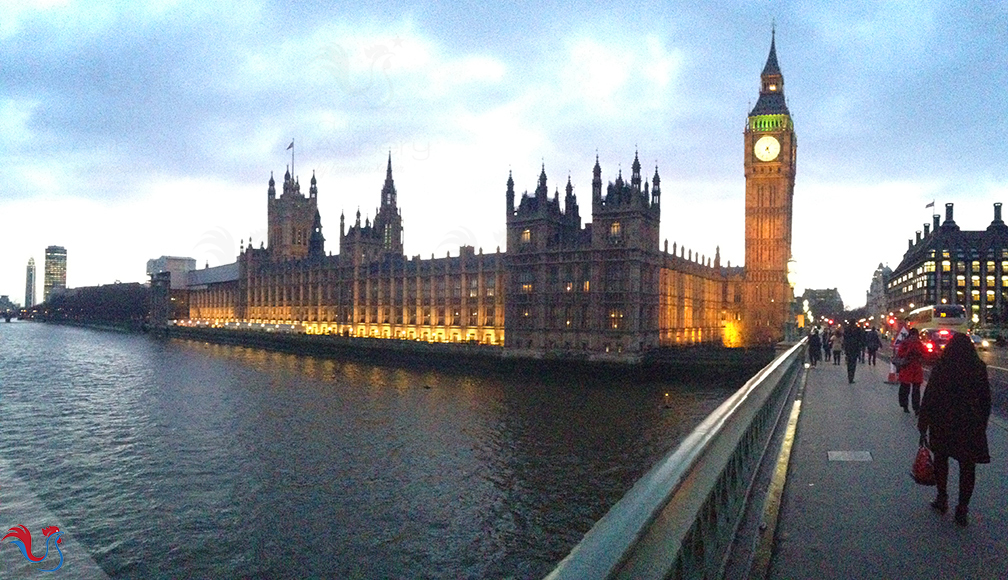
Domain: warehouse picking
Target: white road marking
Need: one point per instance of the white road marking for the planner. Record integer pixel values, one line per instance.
(849, 456)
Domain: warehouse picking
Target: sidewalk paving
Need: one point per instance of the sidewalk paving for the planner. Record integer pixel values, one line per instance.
(850, 518)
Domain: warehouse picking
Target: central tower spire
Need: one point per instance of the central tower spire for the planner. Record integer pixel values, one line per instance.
(388, 198)
(771, 98)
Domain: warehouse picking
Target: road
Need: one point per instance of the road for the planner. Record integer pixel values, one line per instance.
(997, 371)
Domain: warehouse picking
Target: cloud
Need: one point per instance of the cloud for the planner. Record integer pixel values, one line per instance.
(178, 111)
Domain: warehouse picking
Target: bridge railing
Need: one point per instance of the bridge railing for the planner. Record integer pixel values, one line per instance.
(679, 520)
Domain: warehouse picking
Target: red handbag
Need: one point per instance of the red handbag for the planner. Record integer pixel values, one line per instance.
(923, 467)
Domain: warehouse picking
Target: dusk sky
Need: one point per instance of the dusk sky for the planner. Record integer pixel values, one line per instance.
(128, 134)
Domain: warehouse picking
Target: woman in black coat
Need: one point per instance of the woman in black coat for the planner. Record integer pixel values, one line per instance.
(814, 347)
(954, 412)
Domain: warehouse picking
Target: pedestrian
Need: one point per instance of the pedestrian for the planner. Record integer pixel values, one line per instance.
(815, 347)
(826, 332)
(953, 420)
(864, 342)
(853, 338)
(910, 370)
(872, 342)
(836, 343)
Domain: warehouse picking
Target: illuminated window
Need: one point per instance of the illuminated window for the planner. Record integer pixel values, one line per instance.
(946, 266)
(615, 230)
(961, 280)
(526, 280)
(526, 236)
(615, 317)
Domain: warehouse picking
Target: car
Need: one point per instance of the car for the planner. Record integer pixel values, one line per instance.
(935, 340)
(979, 342)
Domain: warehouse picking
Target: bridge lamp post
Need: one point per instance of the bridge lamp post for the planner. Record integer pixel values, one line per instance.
(791, 325)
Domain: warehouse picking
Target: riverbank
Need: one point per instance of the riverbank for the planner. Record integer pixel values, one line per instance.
(663, 363)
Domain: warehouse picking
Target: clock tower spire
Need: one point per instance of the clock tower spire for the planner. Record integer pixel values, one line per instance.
(770, 156)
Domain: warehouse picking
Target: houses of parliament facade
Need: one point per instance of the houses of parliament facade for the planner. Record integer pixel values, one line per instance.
(602, 290)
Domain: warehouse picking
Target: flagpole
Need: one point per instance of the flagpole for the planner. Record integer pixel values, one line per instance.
(293, 174)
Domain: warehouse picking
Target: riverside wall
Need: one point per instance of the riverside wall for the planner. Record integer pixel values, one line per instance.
(663, 363)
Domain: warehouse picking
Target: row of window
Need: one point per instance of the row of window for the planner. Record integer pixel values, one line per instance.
(615, 233)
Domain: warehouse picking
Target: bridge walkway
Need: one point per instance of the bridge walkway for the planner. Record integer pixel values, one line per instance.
(859, 514)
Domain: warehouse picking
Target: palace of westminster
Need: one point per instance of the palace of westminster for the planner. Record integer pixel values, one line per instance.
(599, 290)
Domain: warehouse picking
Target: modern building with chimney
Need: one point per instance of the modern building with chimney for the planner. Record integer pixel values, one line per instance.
(945, 264)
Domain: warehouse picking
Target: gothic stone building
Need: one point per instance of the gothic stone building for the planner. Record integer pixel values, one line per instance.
(599, 290)
(771, 149)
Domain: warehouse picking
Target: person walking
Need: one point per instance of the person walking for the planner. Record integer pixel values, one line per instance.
(864, 343)
(814, 347)
(872, 343)
(953, 420)
(853, 339)
(910, 353)
(836, 343)
(826, 334)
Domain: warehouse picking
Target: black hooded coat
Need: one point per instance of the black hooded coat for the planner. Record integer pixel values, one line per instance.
(957, 404)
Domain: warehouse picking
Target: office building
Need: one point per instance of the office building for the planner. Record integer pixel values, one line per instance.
(55, 271)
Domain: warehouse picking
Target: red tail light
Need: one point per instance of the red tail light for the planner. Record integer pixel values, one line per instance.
(929, 346)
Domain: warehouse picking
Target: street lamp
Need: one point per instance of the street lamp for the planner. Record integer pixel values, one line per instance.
(791, 324)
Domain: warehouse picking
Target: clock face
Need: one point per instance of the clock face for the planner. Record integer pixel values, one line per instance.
(767, 148)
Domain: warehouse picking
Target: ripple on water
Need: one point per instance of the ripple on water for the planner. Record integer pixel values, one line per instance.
(176, 459)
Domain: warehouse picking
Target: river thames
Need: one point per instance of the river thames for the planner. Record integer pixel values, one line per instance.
(167, 458)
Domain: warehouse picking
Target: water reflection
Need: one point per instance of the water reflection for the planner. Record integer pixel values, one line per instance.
(174, 458)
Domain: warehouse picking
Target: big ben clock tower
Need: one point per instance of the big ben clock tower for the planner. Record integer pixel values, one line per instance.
(770, 156)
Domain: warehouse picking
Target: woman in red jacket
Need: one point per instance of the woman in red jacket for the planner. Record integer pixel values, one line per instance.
(911, 372)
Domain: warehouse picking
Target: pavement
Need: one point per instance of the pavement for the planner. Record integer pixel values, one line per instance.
(850, 508)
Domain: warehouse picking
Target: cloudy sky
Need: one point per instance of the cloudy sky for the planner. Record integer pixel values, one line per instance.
(127, 134)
